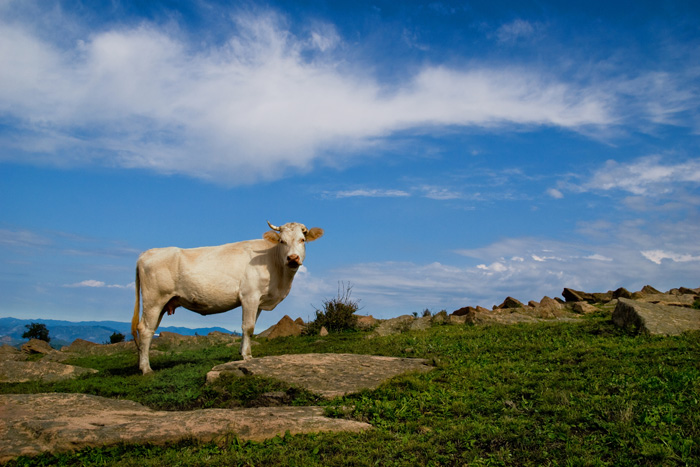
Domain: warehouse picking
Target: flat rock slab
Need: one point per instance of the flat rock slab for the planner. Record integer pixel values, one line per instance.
(328, 375)
(32, 424)
(655, 319)
(22, 371)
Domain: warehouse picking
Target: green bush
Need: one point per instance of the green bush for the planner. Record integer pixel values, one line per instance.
(36, 331)
(116, 337)
(337, 315)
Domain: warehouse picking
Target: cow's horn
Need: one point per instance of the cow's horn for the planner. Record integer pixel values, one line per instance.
(273, 227)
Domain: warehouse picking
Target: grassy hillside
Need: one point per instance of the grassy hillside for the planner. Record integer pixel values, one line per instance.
(545, 394)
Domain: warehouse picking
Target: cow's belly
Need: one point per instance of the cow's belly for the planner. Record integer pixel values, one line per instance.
(208, 308)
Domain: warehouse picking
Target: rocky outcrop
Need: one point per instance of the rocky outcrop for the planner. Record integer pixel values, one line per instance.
(32, 424)
(328, 375)
(366, 322)
(510, 302)
(284, 328)
(22, 371)
(393, 326)
(35, 346)
(7, 352)
(655, 319)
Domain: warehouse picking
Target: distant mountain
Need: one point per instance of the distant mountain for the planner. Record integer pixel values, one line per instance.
(64, 332)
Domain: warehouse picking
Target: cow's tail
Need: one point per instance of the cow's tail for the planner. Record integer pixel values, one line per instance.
(135, 319)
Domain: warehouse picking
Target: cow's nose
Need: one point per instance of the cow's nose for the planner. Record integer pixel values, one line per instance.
(293, 259)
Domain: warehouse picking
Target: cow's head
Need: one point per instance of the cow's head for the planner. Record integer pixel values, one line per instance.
(291, 239)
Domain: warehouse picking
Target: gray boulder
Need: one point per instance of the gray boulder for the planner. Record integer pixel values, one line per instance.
(655, 319)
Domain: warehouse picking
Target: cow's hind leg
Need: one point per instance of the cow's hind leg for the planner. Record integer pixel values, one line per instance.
(150, 319)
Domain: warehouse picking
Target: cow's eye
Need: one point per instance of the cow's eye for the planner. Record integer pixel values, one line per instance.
(302, 240)
(283, 242)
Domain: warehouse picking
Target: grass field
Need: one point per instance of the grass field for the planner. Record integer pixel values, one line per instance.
(546, 394)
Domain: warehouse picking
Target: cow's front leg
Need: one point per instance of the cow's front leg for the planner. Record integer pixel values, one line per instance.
(250, 315)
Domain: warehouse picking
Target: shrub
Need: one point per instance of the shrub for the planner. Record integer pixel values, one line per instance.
(116, 337)
(337, 315)
(36, 331)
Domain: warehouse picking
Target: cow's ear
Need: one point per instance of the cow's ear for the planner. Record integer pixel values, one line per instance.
(272, 236)
(314, 234)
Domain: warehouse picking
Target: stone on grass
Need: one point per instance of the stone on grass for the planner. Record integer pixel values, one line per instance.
(654, 319)
(393, 326)
(21, 372)
(36, 423)
(328, 375)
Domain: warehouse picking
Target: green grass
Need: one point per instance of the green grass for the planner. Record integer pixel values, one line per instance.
(546, 394)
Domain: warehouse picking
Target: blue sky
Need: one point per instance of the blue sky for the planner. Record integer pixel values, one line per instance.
(454, 152)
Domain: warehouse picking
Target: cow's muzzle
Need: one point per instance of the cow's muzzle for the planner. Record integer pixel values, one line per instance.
(293, 261)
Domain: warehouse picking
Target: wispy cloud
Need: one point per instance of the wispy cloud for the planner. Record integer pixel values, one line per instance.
(22, 238)
(92, 283)
(254, 107)
(657, 256)
(516, 30)
(368, 193)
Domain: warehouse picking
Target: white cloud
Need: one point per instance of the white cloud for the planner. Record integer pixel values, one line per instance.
(657, 256)
(439, 193)
(554, 193)
(369, 193)
(516, 30)
(646, 176)
(99, 284)
(249, 109)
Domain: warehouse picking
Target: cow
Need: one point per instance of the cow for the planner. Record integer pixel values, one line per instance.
(254, 274)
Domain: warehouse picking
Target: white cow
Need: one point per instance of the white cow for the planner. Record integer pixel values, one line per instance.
(255, 274)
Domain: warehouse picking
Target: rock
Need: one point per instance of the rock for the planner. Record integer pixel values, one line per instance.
(284, 328)
(20, 372)
(36, 346)
(36, 423)
(621, 292)
(549, 308)
(80, 346)
(421, 324)
(464, 311)
(366, 322)
(329, 375)
(393, 326)
(687, 291)
(583, 308)
(439, 317)
(647, 289)
(7, 352)
(571, 295)
(511, 302)
(602, 297)
(299, 321)
(533, 304)
(668, 299)
(323, 332)
(454, 319)
(655, 319)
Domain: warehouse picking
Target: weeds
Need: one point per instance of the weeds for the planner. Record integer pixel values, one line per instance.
(337, 315)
